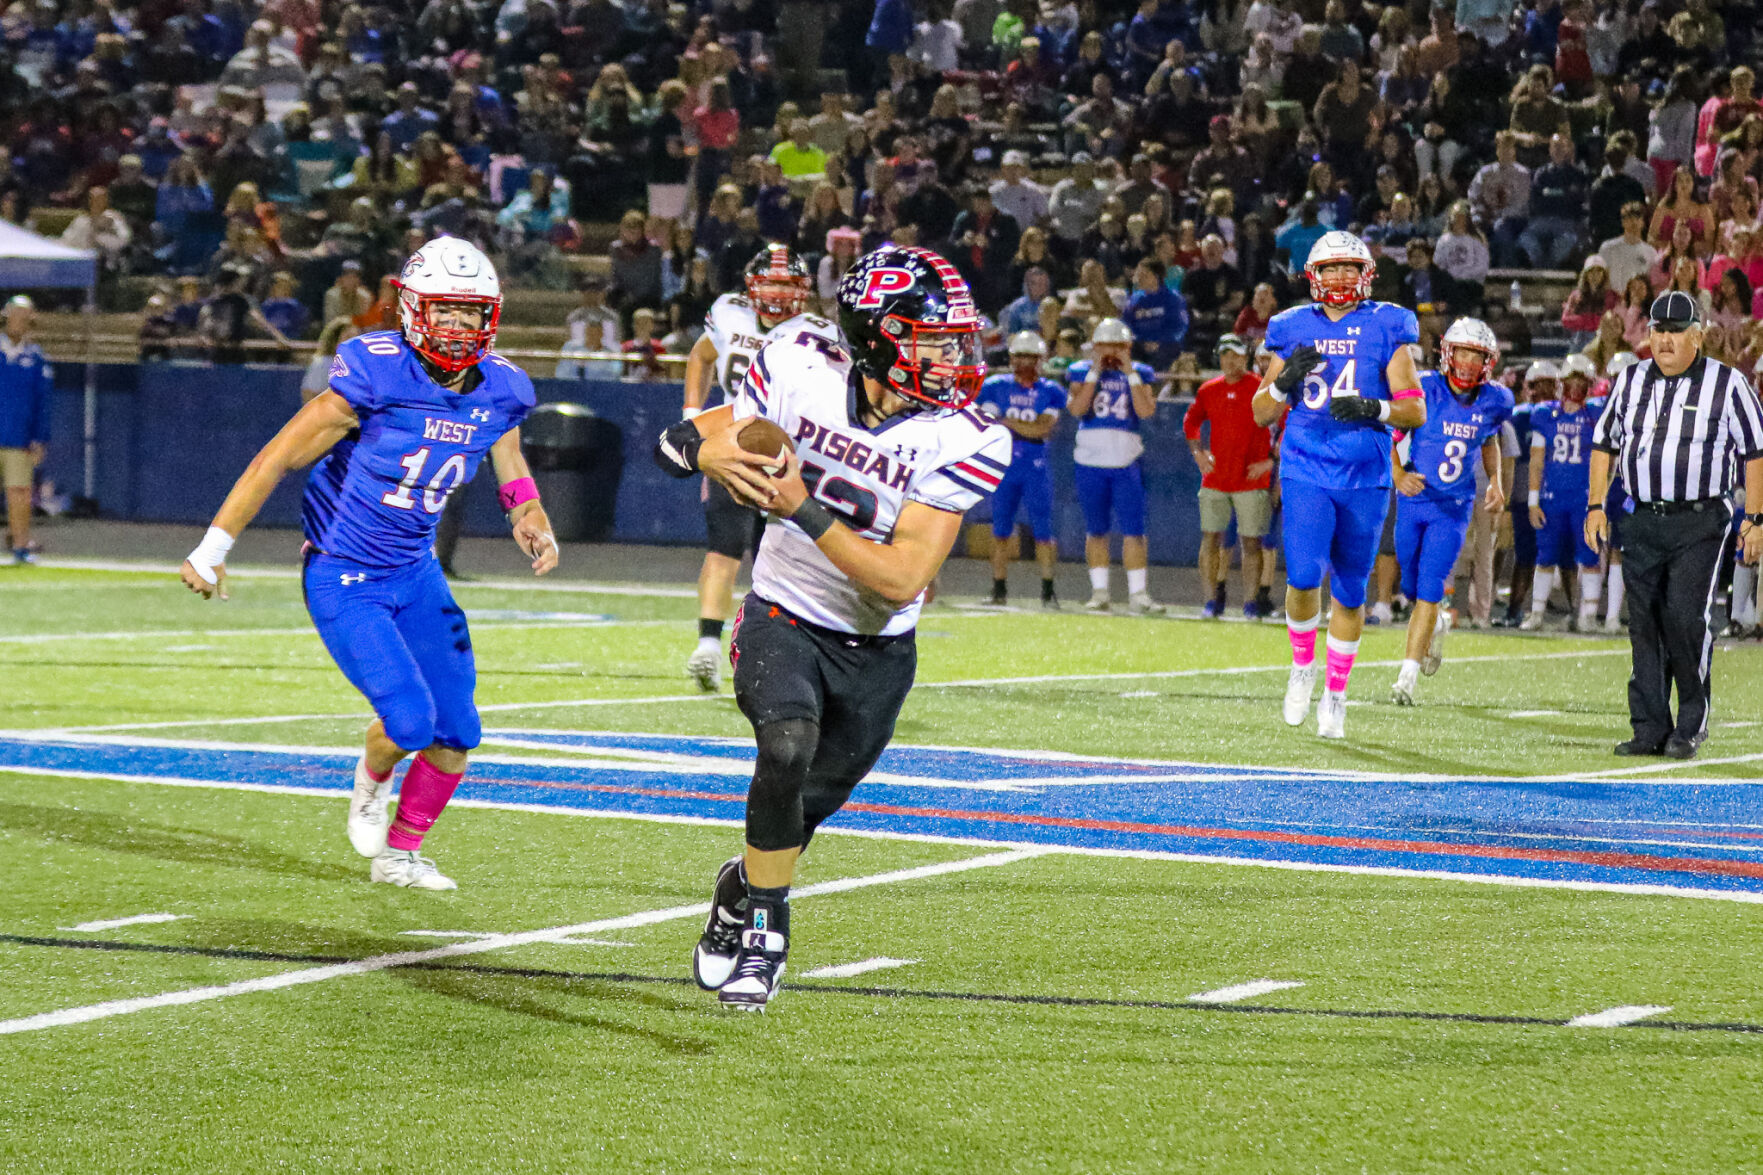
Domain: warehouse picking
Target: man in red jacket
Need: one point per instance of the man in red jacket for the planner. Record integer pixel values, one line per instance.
(1236, 466)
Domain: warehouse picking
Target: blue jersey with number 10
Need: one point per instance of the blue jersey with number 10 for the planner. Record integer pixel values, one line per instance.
(377, 496)
(1356, 350)
(1004, 398)
(1447, 448)
(1565, 439)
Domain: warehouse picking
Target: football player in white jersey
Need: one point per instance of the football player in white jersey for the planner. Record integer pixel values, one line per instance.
(737, 325)
(887, 457)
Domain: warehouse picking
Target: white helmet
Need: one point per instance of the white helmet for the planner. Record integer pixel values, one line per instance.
(1112, 330)
(448, 270)
(1581, 366)
(1467, 354)
(1027, 342)
(1541, 369)
(1621, 360)
(1333, 248)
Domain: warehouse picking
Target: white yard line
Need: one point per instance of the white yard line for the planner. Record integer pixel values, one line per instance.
(114, 923)
(446, 933)
(1656, 768)
(1617, 1017)
(847, 970)
(1534, 714)
(499, 585)
(478, 627)
(1242, 991)
(272, 719)
(308, 975)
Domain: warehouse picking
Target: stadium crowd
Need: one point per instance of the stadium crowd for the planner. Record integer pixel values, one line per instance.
(1167, 163)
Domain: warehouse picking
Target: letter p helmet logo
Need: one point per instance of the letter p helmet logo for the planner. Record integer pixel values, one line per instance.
(883, 282)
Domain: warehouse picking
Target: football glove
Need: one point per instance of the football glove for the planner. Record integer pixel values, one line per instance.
(1300, 363)
(1352, 408)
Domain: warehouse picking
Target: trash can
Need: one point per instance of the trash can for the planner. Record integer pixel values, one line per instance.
(576, 458)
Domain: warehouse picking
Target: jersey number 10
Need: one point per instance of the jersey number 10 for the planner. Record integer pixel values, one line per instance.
(434, 497)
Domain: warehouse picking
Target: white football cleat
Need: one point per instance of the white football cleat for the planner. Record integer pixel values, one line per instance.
(1402, 693)
(1331, 715)
(1532, 622)
(705, 665)
(1614, 624)
(1435, 652)
(1141, 604)
(1299, 686)
(368, 822)
(404, 867)
(1098, 601)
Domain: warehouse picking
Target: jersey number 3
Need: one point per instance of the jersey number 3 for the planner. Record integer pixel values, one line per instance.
(434, 497)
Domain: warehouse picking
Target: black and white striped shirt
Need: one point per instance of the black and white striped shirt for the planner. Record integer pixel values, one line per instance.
(1680, 438)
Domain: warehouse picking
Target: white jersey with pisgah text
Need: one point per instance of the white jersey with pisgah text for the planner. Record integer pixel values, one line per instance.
(948, 460)
(737, 334)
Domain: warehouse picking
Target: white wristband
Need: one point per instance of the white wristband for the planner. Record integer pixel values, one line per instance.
(1536, 497)
(210, 553)
(1383, 409)
(690, 412)
(1273, 393)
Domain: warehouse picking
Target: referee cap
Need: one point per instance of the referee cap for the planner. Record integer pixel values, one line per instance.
(1675, 310)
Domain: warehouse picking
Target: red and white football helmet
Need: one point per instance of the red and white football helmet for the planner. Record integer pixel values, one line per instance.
(448, 271)
(1468, 354)
(1335, 248)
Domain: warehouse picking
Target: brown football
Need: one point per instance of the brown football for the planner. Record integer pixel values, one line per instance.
(763, 437)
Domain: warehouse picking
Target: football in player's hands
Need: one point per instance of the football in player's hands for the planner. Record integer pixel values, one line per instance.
(765, 438)
(1301, 362)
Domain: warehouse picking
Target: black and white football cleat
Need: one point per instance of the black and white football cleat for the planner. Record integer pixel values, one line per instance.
(713, 959)
(759, 971)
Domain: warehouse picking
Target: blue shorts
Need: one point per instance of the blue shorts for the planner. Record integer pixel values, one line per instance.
(1429, 537)
(1562, 537)
(400, 639)
(1026, 483)
(1335, 531)
(1117, 494)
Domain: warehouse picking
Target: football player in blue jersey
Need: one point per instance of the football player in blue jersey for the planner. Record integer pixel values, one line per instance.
(1560, 480)
(1028, 405)
(1541, 384)
(408, 416)
(1343, 364)
(1110, 394)
(1465, 412)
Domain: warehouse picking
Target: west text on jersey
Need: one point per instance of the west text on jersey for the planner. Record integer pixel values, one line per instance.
(450, 431)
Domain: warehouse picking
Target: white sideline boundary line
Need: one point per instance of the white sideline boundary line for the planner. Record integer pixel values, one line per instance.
(262, 571)
(1237, 992)
(1618, 1016)
(477, 627)
(864, 967)
(308, 975)
(1621, 887)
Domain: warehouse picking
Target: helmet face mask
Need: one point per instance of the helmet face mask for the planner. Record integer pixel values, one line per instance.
(777, 283)
(1468, 354)
(1340, 269)
(1027, 351)
(938, 365)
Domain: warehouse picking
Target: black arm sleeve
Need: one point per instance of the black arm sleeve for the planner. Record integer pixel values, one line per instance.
(676, 450)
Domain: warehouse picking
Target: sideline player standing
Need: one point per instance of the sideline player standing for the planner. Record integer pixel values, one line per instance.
(1028, 405)
(1347, 357)
(1110, 394)
(888, 457)
(778, 286)
(1236, 468)
(1560, 480)
(1465, 413)
(408, 417)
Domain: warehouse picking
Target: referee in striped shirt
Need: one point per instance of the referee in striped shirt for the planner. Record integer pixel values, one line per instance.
(1676, 427)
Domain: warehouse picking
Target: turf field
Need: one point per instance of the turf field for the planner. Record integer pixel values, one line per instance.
(1098, 911)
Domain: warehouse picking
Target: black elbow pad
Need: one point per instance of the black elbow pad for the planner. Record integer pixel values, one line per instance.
(676, 450)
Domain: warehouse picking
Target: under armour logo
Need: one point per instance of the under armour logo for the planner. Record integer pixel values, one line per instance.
(349, 579)
(480, 414)
(905, 453)
(1352, 330)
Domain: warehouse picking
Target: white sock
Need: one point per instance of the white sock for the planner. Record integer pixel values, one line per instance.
(1098, 579)
(1613, 605)
(1136, 579)
(1410, 667)
(1591, 586)
(710, 642)
(1744, 595)
(1539, 590)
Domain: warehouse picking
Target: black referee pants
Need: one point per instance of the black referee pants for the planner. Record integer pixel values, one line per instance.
(1669, 564)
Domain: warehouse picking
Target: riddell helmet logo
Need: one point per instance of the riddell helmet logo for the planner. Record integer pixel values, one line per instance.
(882, 282)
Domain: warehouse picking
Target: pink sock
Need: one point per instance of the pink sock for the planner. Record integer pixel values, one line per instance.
(422, 797)
(379, 776)
(1303, 636)
(1340, 663)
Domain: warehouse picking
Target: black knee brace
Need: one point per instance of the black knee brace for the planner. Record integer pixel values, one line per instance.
(774, 801)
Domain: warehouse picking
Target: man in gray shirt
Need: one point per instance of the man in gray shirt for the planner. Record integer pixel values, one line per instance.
(1499, 195)
(1077, 199)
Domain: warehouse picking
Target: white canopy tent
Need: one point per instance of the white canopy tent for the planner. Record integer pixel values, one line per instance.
(31, 262)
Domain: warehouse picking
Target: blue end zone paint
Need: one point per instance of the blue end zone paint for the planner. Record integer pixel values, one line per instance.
(1690, 835)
